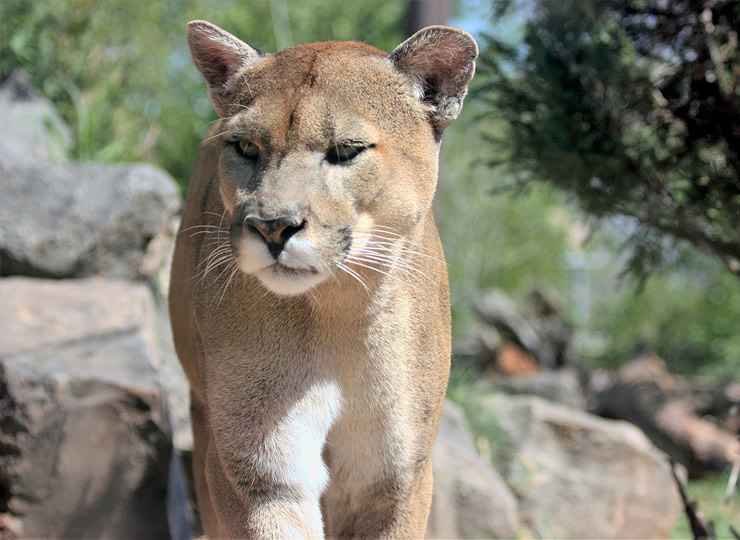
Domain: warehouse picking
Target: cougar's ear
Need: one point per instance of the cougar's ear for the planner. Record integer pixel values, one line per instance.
(440, 61)
(218, 56)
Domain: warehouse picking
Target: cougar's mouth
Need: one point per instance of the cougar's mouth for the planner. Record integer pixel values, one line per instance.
(289, 281)
(292, 271)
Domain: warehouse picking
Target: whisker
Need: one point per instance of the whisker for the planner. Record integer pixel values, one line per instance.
(221, 222)
(392, 247)
(215, 135)
(217, 253)
(378, 270)
(390, 236)
(384, 246)
(197, 233)
(209, 213)
(382, 229)
(223, 249)
(383, 255)
(379, 226)
(353, 274)
(204, 274)
(199, 227)
(218, 277)
(213, 261)
(235, 269)
(396, 263)
(377, 263)
(219, 239)
(221, 246)
(215, 258)
(386, 230)
(330, 270)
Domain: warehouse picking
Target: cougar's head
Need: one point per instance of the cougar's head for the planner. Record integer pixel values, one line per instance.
(328, 151)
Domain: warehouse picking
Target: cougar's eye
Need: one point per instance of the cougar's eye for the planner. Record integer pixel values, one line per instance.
(246, 149)
(343, 153)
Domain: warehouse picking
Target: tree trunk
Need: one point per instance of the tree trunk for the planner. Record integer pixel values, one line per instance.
(421, 13)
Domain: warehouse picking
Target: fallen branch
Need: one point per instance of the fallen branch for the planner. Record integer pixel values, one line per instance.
(699, 529)
(647, 395)
(732, 483)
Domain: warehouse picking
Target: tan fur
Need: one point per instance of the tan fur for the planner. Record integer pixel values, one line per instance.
(317, 378)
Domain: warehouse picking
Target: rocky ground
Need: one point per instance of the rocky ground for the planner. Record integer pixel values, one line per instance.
(93, 405)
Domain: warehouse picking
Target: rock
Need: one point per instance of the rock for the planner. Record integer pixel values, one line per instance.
(580, 476)
(175, 383)
(496, 308)
(80, 220)
(544, 333)
(33, 130)
(470, 498)
(85, 446)
(560, 386)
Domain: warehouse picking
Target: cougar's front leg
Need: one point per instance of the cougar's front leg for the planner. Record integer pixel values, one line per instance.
(392, 507)
(381, 481)
(264, 466)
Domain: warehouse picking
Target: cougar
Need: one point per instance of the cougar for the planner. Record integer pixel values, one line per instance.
(309, 294)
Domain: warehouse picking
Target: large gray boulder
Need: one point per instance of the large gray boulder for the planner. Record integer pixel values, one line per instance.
(580, 476)
(32, 129)
(470, 499)
(174, 381)
(80, 220)
(85, 446)
(560, 386)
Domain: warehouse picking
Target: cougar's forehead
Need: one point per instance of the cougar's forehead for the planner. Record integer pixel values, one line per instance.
(326, 91)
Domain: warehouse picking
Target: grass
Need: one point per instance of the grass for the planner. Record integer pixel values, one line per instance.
(709, 493)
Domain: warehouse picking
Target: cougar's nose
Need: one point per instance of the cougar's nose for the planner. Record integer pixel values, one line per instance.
(275, 232)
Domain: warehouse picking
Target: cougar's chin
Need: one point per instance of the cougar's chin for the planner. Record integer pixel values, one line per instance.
(288, 281)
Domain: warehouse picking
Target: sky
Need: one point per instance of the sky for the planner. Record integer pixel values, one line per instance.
(476, 17)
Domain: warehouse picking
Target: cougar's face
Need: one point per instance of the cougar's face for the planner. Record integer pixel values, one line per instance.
(325, 162)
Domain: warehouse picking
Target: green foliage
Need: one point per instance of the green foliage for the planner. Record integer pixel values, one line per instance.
(688, 316)
(469, 394)
(120, 72)
(493, 239)
(631, 107)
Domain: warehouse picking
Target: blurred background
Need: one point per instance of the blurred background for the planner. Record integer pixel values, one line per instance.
(589, 196)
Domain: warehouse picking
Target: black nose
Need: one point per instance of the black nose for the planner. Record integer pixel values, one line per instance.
(275, 232)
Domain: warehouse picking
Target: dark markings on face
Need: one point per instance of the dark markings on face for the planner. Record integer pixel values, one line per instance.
(311, 76)
(346, 240)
